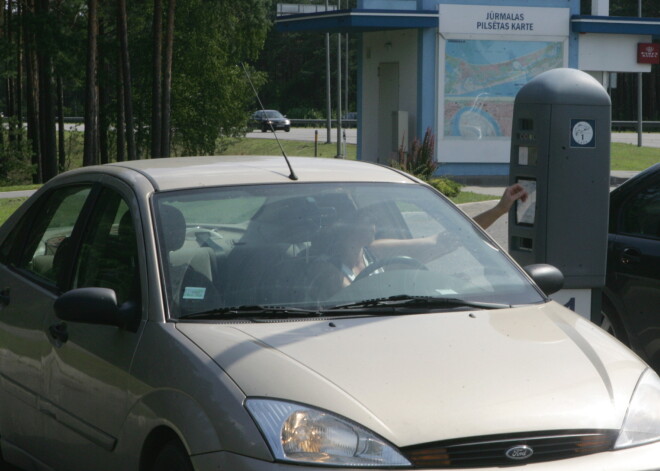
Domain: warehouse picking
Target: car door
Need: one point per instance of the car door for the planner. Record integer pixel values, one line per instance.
(88, 367)
(635, 251)
(29, 283)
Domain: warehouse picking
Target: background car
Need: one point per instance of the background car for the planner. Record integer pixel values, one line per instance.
(238, 313)
(270, 119)
(631, 301)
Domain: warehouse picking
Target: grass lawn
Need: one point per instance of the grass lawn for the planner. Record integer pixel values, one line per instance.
(291, 148)
(631, 157)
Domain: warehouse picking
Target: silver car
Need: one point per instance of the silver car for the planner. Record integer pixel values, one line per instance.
(222, 313)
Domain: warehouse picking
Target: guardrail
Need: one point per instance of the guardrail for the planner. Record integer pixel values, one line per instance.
(318, 123)
(632, 125)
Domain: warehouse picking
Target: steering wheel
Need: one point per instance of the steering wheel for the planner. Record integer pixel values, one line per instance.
(385, 262)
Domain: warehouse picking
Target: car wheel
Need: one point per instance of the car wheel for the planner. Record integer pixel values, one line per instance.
(264, 128)
(172, 457)
(287, 129)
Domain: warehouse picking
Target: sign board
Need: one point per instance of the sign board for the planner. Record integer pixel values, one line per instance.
(511, 21)
(648, 53)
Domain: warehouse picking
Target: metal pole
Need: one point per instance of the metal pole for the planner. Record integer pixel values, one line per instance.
(328, 113)
(639, 92)
(339, 153)
(346, 74)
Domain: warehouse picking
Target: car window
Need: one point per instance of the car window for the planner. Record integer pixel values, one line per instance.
(302, 245)
(641, 213)
(47, 250)
(109, 251)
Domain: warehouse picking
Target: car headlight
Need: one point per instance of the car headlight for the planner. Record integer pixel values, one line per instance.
(301, 434)
(642, 422)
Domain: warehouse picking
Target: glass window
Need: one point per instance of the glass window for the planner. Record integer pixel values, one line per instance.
(641, 213)
(316, 246)
(108, 254)
(48, 250)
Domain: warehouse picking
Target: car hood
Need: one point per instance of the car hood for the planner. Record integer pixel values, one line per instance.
(423, 378)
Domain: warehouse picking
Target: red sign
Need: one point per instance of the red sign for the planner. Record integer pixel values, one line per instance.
(648, 53)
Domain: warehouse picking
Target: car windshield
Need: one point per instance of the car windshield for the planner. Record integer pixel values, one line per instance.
(270, 114)
(315, 247)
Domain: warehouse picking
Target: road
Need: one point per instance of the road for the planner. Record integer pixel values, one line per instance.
(307, 134)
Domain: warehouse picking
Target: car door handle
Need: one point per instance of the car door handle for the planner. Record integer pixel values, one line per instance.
(59, 332)
(630, 255)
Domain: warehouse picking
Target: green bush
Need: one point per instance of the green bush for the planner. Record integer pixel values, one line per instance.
(447, 187)
(419, 161)
(16, 166)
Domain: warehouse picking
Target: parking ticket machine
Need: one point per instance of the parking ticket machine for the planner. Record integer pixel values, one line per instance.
(560, 152)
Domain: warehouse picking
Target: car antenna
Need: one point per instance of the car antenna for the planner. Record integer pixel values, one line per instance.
(292, 175)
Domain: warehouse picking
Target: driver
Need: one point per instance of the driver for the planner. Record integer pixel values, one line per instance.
(348, 246)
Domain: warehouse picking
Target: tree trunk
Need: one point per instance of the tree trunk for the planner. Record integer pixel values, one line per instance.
(60, 128)
(126, 75)
(104, 100)
(46, 105)
(167, 81)
(32, 96)
(156, 115)
(90, 154)
(121, 116)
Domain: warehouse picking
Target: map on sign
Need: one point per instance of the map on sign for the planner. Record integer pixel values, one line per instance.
(482, 78)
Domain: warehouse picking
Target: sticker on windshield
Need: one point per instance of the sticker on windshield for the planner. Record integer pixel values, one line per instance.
(192, 292)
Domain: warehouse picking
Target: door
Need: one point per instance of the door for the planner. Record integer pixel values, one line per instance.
(388, 102)
(636, 256)
(30, 277)
(88, 367)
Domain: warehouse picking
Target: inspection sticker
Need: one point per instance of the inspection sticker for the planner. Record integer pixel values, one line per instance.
(193, 292)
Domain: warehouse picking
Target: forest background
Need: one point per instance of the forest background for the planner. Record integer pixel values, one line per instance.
(137, 70)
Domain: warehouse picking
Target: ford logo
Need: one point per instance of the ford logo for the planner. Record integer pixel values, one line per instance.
(519, 452)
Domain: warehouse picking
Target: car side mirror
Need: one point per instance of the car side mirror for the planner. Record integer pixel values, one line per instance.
(89, 306)
(549, 278)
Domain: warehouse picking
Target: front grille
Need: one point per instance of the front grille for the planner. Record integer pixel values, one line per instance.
(510, 449)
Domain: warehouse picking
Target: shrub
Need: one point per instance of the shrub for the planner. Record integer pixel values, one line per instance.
(16, 166)
(420, 162)
(447, 187)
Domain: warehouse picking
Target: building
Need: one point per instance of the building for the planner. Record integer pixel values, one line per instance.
(455, 66)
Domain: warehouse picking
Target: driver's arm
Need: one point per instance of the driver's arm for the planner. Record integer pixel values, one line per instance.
(423, 249)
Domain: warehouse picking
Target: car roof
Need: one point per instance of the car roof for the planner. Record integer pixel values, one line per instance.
(192, 172)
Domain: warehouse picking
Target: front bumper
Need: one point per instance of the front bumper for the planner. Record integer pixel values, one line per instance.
(641, 458)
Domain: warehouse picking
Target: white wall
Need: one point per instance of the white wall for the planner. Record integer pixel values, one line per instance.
(611, 52)
(387, 46)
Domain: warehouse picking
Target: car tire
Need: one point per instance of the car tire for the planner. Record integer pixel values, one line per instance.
(264, 128)
(172, 457)
(287, 129)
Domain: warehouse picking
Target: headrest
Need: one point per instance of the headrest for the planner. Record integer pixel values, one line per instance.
(173, 226)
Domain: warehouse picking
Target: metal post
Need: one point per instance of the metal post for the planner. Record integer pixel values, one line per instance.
(339, 153)
(346, 74)
(328, 113)
(640, 118)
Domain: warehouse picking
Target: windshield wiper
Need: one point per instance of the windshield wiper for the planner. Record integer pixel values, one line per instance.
(235, 312)
(409, 301)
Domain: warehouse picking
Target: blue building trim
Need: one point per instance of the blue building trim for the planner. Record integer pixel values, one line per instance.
(360, 94)
(615, 25)
(427, 89)
(357, 20)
